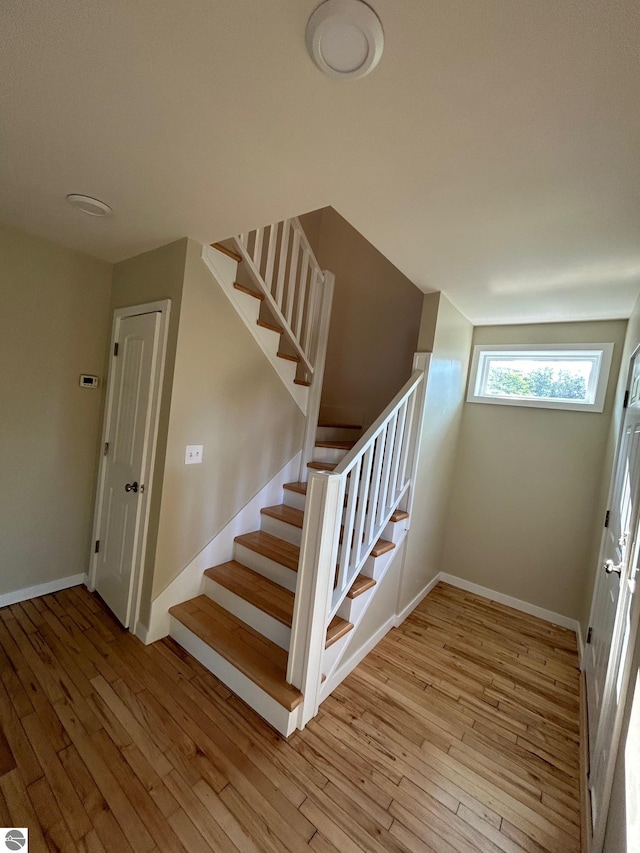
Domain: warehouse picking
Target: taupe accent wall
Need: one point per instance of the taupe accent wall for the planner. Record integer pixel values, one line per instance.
(526, 491)
(374, 321)
(54, 322)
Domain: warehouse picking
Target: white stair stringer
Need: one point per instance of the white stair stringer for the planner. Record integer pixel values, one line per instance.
(282, 720)
(224, 269)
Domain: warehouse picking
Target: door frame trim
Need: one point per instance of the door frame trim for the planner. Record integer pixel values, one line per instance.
(597, 828)
(163, 307)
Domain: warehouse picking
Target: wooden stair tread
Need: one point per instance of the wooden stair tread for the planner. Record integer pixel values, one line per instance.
(304, 382)
(268, 324)
(322, 466)
(381, 547)
(229, 252)
(244, 289)
(399, 515)
(289, 356)
(338, 425)
(361, 584)
(271, 547)
(337, 628)
(285, 513)
(254, 655)
(337, 445)
(254, 588)
(299, 487)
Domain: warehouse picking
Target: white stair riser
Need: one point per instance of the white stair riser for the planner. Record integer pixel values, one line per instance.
(276, 527)
(294, 499)
(352, 609)
(337, 434)
(373, 568)
(248, 613)
(264, 566)
(328, 454)
(282, 720)
(249, 305)
(395, 530)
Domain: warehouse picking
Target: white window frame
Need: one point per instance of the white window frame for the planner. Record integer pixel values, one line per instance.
(480, 363)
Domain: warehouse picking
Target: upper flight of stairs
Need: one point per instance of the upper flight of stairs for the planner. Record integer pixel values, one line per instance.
(240, 627)
(237, 282)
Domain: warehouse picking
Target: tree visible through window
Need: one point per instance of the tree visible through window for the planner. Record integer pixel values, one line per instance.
(543, 382)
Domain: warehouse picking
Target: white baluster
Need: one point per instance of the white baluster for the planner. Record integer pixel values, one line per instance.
(271, 255)
(282, 263)
(293, 274)
(257, 249)
(302, 293)
(363, 500)
(386, 468)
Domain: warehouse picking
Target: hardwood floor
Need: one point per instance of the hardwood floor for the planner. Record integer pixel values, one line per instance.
(459, 732)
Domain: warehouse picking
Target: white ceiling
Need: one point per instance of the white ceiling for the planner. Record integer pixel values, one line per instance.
(493, 154)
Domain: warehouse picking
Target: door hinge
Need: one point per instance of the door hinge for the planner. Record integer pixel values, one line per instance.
(606, 518)
(106, 450)
(115, 349)
(589, 633)
(626, 400)
(97, 548)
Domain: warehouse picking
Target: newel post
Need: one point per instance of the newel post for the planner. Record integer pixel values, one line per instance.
(421, 362)
(316, 572)
(321, 332)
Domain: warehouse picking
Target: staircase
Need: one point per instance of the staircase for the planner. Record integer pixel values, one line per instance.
(275, 621)
(240, 627)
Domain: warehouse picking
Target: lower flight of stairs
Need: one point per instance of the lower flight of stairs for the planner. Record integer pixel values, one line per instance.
(240, 627)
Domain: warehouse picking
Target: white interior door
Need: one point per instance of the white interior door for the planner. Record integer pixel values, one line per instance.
(610, 616)
(127, 435)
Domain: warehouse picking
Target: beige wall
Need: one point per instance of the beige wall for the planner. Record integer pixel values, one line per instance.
(227, 397)
(526, 485)
(151, 277)
(451, 336)
(374, 321)
(54, 321)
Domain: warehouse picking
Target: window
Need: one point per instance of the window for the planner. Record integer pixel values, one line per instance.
(565, 376)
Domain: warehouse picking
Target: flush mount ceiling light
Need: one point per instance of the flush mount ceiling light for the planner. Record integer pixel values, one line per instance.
(345, 38)
(89, 205)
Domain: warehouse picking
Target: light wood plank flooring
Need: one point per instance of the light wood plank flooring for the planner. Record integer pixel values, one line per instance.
(458, 733)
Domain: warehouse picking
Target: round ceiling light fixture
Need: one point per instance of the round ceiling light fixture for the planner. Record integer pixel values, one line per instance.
(345, 38)
(92, 206)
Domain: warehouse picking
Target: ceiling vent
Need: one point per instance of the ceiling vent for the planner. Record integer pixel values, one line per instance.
(345, 38)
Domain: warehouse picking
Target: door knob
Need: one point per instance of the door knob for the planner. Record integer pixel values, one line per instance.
(131, 487)
(612, 569)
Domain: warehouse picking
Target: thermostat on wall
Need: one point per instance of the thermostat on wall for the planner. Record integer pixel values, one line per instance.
(87, 381)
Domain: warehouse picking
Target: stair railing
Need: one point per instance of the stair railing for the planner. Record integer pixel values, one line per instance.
(346, 511)
(299, 295)
(285, 269)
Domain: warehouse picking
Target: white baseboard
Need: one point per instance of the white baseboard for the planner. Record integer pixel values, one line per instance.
(190, 581)
(28, 592)
(400, 617)
(516, 603)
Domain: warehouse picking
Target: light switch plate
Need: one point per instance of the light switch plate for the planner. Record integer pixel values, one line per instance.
(193, 454)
